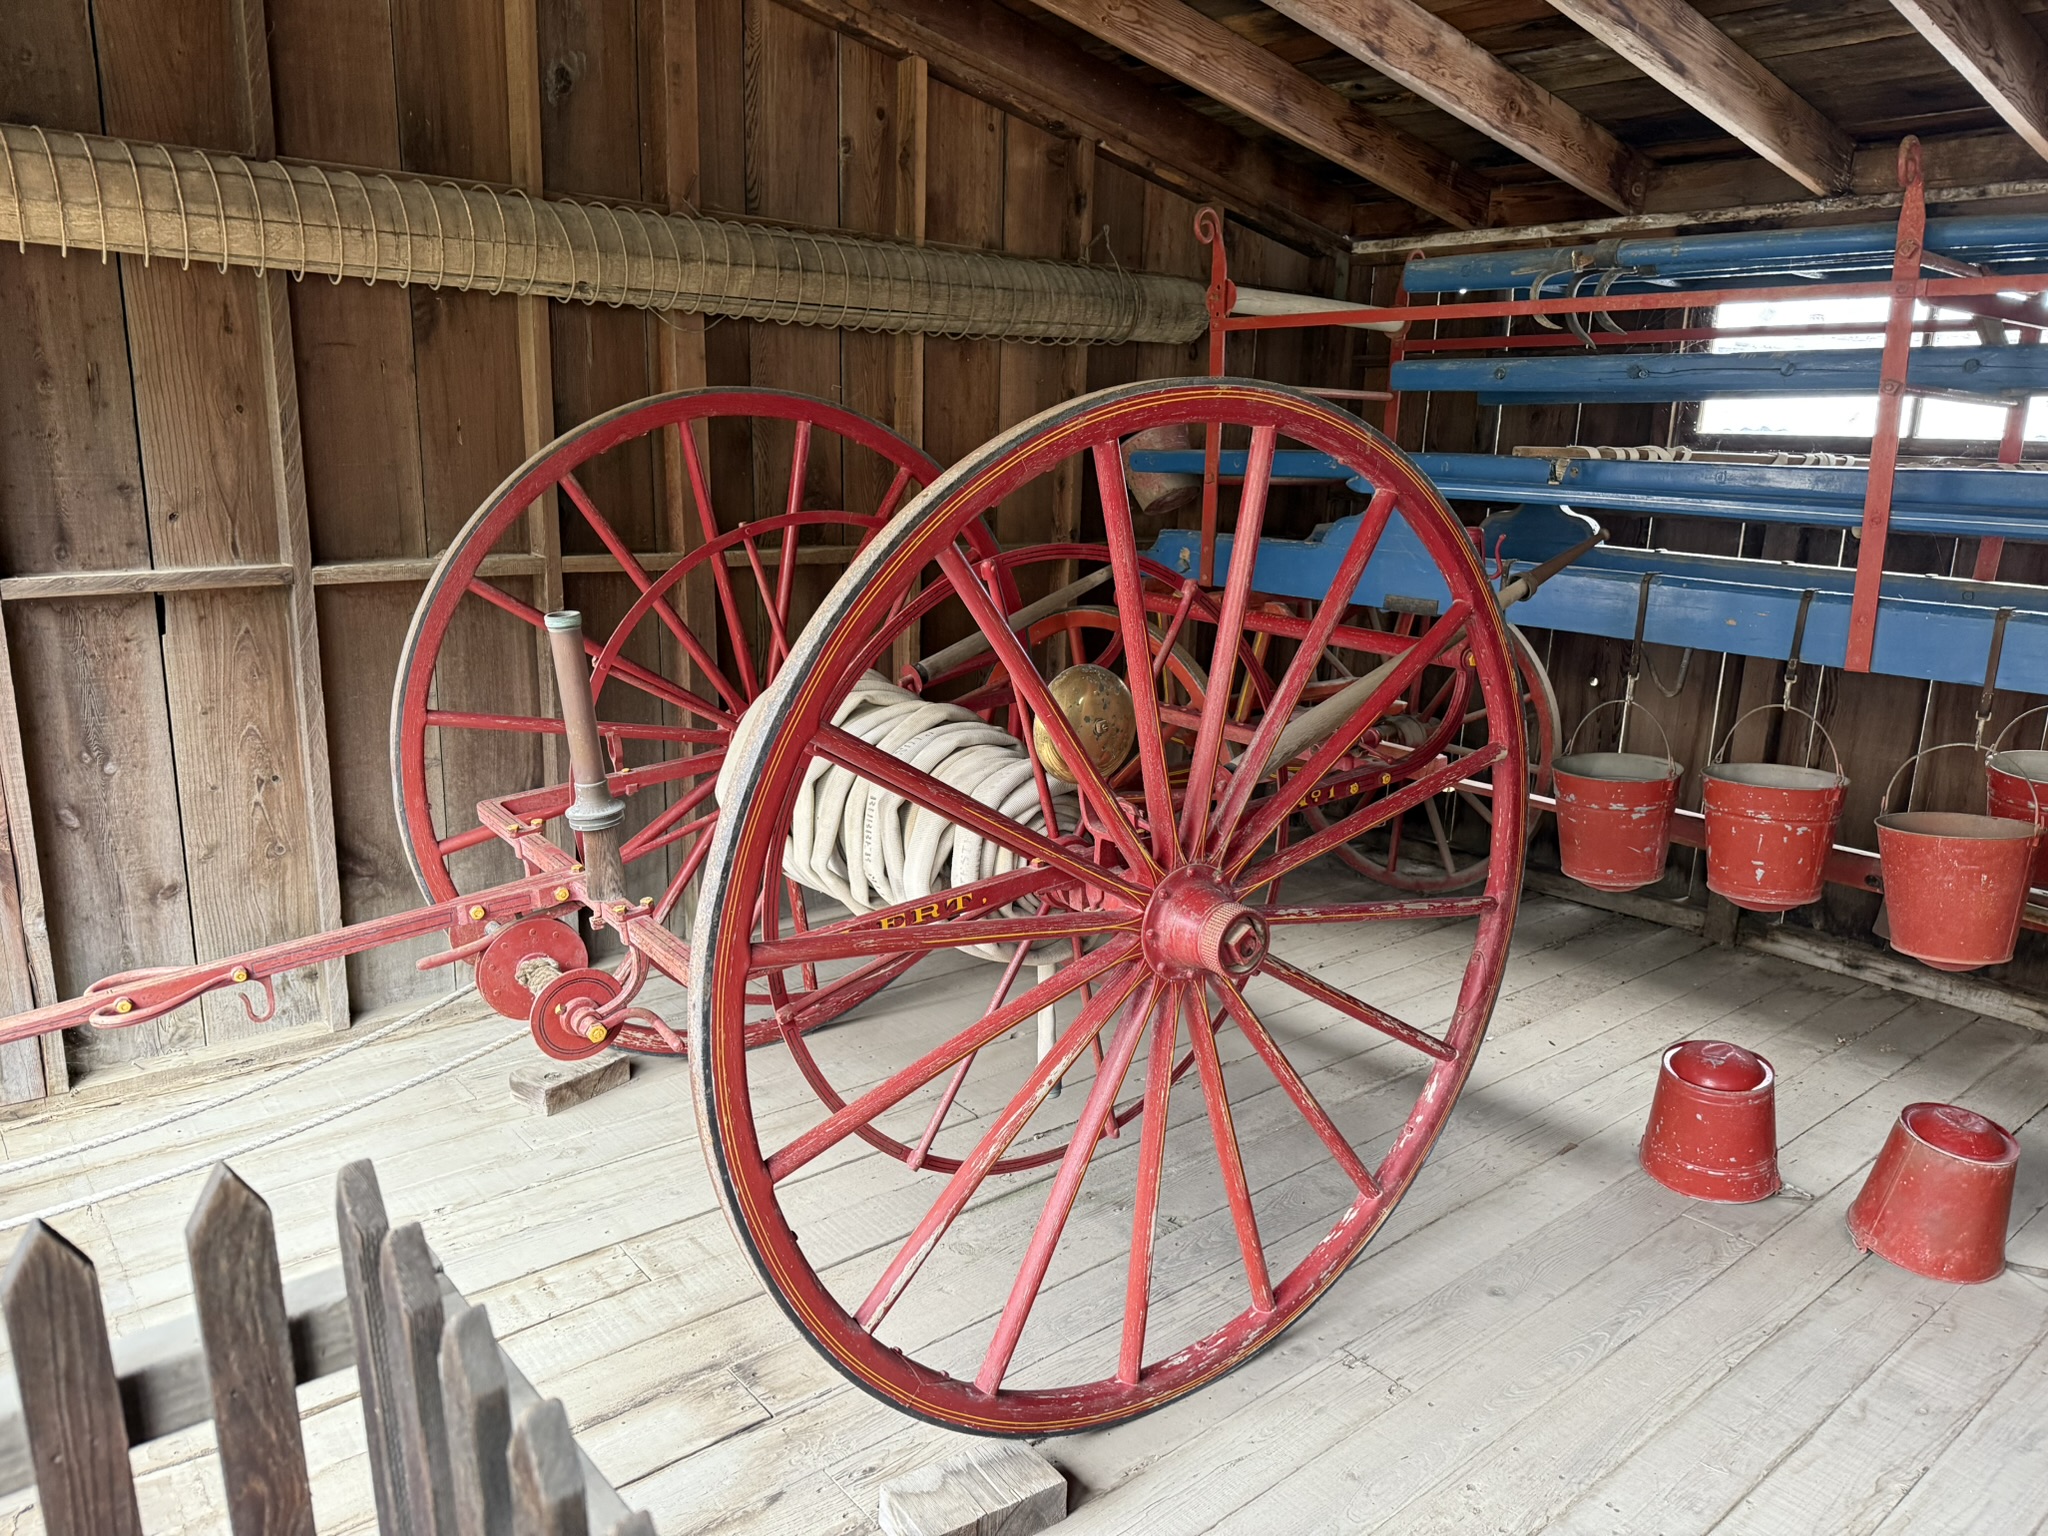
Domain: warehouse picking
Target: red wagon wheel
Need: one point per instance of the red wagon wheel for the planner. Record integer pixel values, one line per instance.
(1430, 849)
(782, 489)
(1176, 1233)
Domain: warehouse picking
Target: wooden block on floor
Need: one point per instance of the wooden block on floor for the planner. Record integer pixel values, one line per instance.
(549, 1087)
(1003, 1488)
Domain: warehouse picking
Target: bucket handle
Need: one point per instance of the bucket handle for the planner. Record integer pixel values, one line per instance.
(1998, 742)
(1625, 705)
(1884, 806)
(1721, 754)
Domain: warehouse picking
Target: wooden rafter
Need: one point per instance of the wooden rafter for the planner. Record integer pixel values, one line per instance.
(1991, 45)
(979, 47)
(1444, 66)
(1700, 64)
(1205, 54)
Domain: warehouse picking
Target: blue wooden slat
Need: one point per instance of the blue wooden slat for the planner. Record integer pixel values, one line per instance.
(1970, 503)
(1933, 628)
(1645, 377)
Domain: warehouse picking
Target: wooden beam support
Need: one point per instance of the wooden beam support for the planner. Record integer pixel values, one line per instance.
(1237, 72)
(1991, 45)
(990, 52)
(1697, 62)
(294, 526)
(1444, 66)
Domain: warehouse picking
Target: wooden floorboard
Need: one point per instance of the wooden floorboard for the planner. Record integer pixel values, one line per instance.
(1540, 1339)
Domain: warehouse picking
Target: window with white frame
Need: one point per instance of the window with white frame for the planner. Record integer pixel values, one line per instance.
(1846, 416)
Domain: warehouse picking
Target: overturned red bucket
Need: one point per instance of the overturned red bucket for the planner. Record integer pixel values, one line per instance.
(1940, 1196)
(1614, 813)
(1713, 1131)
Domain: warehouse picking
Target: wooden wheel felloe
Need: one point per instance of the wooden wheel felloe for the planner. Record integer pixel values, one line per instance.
(1237, 1118)
(780, 490)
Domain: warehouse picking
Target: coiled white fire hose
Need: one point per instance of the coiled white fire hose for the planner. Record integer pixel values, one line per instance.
(868, 847)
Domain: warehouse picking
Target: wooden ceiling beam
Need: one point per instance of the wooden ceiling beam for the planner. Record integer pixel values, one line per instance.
(1444, 66)
(1206, 55)
(997, 56)
(1991, 45)
(1700, 64)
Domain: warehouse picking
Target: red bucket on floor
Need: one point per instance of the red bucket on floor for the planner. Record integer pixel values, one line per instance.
(1770, 826)
(1713, 1131)
(1955, 885)
(1940, 1196)
(1614, 812)
(2016, 787)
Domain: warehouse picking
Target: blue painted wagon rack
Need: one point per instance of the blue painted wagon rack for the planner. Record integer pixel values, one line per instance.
(1974, 274)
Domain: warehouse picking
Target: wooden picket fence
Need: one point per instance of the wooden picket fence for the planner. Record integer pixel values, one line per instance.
(460, 1443)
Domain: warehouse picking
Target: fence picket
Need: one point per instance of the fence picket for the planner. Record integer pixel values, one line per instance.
(413, 1319)
(359, 1216)
(478, 1407)
(70, 1401)
(238, 1292)
(547, 1478)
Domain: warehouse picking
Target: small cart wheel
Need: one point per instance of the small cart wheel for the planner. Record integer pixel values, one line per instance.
(1173, 1237)
(781, 490)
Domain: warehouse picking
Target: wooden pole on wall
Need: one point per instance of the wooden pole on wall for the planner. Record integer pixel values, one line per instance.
(294, 536)
(536, 352)
(29, 1069)
(911, 166)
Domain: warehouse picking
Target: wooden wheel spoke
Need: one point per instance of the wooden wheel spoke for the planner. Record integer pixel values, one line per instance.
(993, 1144)
(885, 1095)
(474, 837)
(1442, 838)
(1362, 820)
(1033, 695)
(623, 730)
(1244, 557)
(951, 933)
(1134, 627)
(1230, 1157)
(914, 784)
(1290, 1080)
(953, 1083)
(1351, 714)
(1417, 909)
(1253, 761)
(654, 834)
(1066, 1185)
(700, 490)
(1160, 1077)
(893, 495)
(630, 672)
(1374, 1018)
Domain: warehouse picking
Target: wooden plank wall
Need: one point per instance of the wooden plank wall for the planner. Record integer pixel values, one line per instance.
(208, 770)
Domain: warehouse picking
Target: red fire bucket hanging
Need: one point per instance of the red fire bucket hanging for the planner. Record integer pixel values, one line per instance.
(1939, 1198)
(1770, 826)
(1614, 811)
(1955, 885)
(1713, 1131)
(2016, 786)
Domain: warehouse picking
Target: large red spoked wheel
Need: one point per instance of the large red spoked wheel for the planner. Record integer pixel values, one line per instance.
(780, 489)
(1441, 845)
(1239, 1115)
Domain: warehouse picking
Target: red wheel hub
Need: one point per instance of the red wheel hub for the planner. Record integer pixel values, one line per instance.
(1194, 926)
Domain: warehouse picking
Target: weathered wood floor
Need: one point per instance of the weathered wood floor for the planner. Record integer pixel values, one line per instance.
(1540, 1340)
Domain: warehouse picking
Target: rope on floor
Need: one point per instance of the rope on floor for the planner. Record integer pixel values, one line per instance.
(440, 1069)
